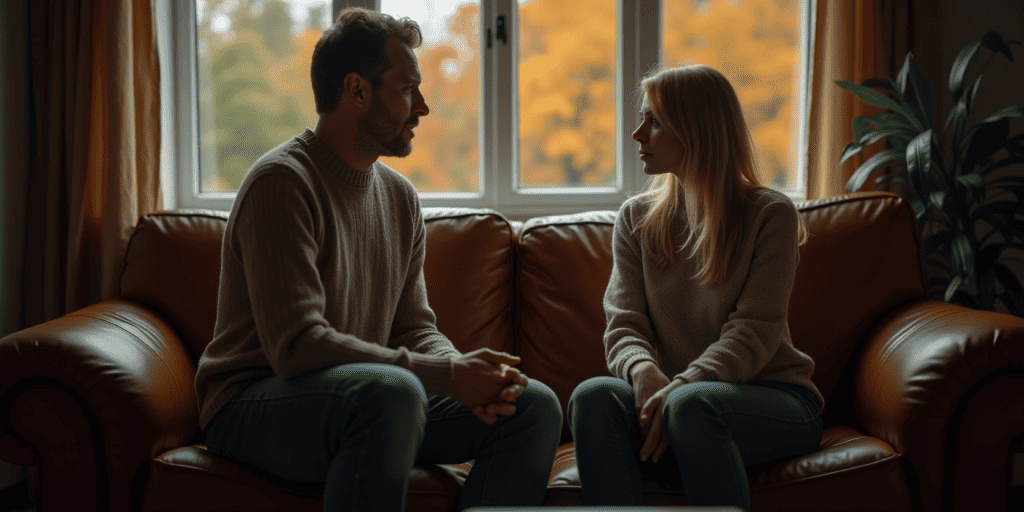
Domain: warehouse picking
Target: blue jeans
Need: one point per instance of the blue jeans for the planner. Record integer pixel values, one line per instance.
(361, 427)
(715, 430)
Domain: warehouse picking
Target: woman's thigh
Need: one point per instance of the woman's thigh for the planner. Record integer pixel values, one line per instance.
(765, 419)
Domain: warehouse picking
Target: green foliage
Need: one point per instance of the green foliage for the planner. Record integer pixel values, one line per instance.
(958, 196)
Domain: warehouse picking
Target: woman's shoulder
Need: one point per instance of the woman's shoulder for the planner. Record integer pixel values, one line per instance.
(768, 201)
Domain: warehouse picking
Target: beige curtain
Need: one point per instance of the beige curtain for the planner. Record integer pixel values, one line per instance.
(853, 41)
(846, 47)
(94, 152)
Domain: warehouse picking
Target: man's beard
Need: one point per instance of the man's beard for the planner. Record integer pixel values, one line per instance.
(379, 132)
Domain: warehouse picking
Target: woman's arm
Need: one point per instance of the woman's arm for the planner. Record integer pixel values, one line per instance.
(628, 334)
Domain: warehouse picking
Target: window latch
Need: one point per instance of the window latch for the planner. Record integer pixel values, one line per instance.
(501, 34)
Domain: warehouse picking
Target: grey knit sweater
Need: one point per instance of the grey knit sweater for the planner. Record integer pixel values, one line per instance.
(321, 265)
(735, 331)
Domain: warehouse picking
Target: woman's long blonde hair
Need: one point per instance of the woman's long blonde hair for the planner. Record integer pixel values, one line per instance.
(717, 175)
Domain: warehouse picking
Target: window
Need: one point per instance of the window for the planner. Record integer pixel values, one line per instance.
(533, 102)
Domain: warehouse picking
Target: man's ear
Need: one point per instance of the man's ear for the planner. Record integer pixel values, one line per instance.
(356, 89)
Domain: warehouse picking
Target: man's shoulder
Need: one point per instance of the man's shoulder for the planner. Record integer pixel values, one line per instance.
(289, 160)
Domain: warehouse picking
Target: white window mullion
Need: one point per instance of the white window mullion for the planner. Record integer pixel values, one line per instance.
(639, 51)
(506, 109)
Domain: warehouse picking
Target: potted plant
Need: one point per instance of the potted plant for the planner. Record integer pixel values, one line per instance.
(969, 209)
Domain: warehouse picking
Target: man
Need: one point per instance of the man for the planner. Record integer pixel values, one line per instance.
(326, 364)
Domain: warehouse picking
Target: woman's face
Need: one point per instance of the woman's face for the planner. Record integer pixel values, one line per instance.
(660, 151)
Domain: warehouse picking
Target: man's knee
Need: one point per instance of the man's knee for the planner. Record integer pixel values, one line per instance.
(540, 401)
(385, 390)
(599, 395)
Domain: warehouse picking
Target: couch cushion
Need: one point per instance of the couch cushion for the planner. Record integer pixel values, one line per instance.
(172, 264)
(191, 478)
(850, 471)
(863, 258)
(564, 265)
(468, 270)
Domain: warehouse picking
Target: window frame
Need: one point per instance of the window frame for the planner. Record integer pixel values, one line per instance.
(638, 49)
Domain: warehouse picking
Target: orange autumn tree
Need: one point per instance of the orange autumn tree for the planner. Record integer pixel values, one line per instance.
(566, 96)
(756, 44)
(256, 89)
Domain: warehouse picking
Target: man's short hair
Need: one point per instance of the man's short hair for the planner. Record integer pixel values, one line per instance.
(356, 43)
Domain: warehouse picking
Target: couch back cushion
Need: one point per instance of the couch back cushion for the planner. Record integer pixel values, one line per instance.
(564, 265)
(173, 265)
(469, 271)
(862, 259)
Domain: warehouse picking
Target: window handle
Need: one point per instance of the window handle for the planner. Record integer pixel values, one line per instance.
(501, 34)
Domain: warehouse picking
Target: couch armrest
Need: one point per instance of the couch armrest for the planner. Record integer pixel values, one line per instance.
(942, 384)
(103, 390)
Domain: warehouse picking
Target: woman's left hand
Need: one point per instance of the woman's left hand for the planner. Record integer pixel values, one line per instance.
(657, 441)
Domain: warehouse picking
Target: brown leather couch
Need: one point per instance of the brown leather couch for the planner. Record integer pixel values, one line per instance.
(924, 398)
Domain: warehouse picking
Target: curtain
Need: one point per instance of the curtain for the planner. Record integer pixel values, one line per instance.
(94, 134)
(846, 46)
(854, 41)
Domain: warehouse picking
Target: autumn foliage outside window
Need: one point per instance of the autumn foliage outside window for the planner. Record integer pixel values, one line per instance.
(254, 90)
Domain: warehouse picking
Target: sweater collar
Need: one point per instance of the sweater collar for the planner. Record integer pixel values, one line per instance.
(327, 160)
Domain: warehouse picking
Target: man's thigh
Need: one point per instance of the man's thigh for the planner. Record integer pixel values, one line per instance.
(294, 427)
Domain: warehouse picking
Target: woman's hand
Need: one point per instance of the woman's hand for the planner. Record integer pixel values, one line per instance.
(653, 424)
(647, 380)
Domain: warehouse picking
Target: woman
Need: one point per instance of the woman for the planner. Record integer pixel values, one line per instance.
(697, 334)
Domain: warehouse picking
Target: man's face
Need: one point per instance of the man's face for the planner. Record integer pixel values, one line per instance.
(395, 108)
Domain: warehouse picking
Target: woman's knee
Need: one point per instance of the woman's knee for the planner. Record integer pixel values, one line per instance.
(696, 401)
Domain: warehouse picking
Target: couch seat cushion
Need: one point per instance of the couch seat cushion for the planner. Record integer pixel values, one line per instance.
(850, 471)
(191, 478)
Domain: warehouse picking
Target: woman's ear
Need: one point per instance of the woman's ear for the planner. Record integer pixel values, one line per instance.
(356, 90)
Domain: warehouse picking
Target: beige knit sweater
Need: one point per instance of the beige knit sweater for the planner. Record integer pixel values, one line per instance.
(735, 331)
(321, 265)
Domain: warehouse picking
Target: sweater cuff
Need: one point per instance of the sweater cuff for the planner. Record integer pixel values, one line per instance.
(434, 372)
(692, 374)
(633, 357)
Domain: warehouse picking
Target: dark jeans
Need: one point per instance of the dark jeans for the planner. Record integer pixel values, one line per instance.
(360, 428)
(715, 429)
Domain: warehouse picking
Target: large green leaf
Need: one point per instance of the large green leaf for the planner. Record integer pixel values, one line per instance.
(879, 100)
(954, 285)
(922, 91)
(919, 163)
(965, 59)
(852, 148)
(962, 255)
(1008, 112)
(975, 185)
(879, 159)
(918, 101)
